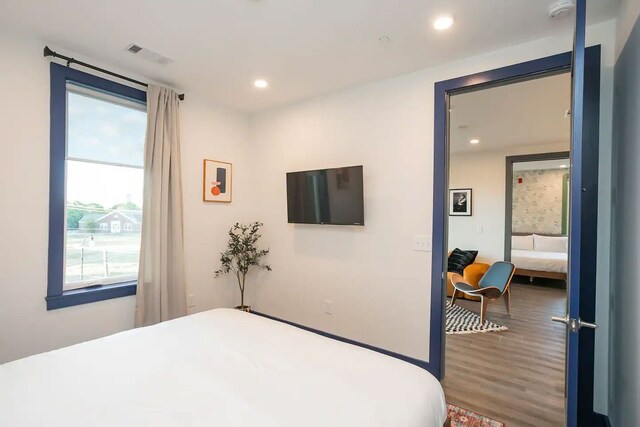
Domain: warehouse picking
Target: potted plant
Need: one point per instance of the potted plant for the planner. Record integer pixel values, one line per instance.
(242, 253)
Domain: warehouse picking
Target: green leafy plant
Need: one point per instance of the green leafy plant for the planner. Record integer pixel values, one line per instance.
(242, 253)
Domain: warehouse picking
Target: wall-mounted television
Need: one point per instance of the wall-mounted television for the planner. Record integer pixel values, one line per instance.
(326, 196)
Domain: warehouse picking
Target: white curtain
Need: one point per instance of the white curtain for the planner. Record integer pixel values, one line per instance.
(161, 292)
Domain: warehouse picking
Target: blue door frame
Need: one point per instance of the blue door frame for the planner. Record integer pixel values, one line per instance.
(580, 369)
(585, 119)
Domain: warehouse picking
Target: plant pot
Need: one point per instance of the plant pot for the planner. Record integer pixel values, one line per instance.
(246, 308)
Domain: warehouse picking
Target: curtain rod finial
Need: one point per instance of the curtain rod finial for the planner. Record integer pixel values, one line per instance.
(48, 52)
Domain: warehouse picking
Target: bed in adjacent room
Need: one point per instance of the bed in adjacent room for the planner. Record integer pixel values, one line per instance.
(540, 256)
(218, 368)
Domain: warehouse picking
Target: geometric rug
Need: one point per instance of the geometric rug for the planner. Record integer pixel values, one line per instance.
(465, 418)
(462, 321)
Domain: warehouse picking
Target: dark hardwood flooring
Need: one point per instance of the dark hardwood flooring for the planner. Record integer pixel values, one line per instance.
(516, 376)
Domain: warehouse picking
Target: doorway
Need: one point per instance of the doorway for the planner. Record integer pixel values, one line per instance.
(585, 159)
(537, 203)
(505, 357)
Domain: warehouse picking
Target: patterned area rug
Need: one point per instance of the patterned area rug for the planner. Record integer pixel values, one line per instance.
(464, 418)
(463, 321)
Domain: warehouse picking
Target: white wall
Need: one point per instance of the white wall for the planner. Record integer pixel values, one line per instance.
(211, 132)
(379, 286)
(25, 326)
(628, 13)
(625, 294)
(485, 173)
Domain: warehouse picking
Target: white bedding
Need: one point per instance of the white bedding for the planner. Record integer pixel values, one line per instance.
(555, 262)
(218, 368)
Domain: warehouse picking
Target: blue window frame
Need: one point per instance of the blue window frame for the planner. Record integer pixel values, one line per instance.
(57, 295)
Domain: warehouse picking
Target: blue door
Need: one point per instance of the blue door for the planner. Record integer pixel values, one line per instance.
(580, 315)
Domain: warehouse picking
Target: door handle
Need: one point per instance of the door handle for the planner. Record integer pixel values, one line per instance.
(574, 325)
(558, 319)
(589, 325)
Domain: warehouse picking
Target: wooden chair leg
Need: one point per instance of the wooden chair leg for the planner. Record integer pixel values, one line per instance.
(454, 296)
(507, 300)
(483, 309)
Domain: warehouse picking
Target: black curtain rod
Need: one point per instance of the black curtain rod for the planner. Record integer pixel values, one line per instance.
(49, 52)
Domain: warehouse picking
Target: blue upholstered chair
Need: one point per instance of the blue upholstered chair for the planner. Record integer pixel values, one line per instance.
(494, 284)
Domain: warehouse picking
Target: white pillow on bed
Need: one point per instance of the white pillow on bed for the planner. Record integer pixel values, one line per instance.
(523, 243)
(550, 243)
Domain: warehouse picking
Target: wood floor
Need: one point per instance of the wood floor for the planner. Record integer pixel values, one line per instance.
(516, 376)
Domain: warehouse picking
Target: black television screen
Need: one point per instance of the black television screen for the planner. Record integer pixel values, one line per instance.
(326, 196)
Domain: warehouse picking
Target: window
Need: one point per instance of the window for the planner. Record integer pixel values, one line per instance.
(105, 147)
(97, 149)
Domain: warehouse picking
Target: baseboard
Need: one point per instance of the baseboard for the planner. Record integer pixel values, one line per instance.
(420, 363)
(601, 420)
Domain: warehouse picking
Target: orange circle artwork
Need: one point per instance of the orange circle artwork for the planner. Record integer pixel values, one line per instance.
(215, 190)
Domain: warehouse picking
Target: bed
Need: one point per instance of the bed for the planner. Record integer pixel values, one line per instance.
(537, 255)
(218, 368)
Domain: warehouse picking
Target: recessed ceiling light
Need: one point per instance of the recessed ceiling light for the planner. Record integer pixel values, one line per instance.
(443, 22)
(474, 141)
(384, 39)
(261, 84)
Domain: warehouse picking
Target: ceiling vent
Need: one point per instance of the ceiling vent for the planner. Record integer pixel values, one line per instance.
(561, 8)
(147, 55)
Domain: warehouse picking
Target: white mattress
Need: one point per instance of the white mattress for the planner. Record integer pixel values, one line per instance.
(218, 368)
(555, 262)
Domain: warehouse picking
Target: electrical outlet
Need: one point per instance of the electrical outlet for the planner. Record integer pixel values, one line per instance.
(191, 300)
(422, 243)
(328, 309)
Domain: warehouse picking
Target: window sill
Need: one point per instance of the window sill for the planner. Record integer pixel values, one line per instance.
(90, 294)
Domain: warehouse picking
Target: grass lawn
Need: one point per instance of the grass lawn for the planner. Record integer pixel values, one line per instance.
(111, 256)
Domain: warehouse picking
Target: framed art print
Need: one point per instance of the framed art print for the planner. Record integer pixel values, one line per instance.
(217, 180)
(460, 202)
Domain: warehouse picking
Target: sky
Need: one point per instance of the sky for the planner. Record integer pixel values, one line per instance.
(107, 132)
(104, 184)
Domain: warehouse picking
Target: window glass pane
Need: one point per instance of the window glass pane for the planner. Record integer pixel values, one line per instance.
(104, 130)
(104, 220)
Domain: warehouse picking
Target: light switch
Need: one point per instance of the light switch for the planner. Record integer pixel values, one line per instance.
(422, 243)
(328, 307)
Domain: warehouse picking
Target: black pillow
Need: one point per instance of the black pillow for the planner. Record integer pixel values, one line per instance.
(459, 260)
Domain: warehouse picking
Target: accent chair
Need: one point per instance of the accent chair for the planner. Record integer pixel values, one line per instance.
(494, 284)
(472, 275)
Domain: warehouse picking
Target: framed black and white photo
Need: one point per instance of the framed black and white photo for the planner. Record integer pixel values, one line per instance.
(460, 202)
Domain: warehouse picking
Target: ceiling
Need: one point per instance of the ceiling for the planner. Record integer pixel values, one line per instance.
(519, 114)
(304, 48)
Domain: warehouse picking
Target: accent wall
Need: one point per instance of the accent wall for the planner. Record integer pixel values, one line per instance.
(538, 201)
